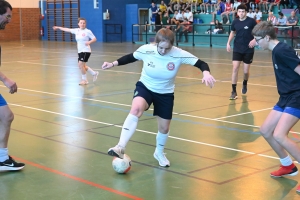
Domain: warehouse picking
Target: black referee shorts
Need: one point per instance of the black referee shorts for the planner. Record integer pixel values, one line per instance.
(247, 58)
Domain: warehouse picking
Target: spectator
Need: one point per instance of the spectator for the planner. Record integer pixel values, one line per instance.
(282, 20)
(162, 9)
(284, 4)
(257, 15)
(165, 20)
(154, 11)
(272, 18)
(292, 21)
(274, 3)
(218, 27)
(204, 7)
(220, 7)
(250, 13)
(185, 30)
(229, 10)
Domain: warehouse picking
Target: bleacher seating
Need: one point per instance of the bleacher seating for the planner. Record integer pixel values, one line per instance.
(199, 37)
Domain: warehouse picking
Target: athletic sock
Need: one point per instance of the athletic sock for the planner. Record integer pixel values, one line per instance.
(89, 70)
(161, 140)
(245, 82)
(128, 129)
(83, 77)
(287, 161)
(3, 154)
(234, 88)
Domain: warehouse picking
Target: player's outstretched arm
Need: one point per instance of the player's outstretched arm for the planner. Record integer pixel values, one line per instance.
(208, 79)
(10, 84)
(121, 61)
(61, 28)
(107, 65)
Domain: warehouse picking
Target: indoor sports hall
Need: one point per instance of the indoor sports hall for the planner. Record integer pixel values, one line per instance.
(62, 130)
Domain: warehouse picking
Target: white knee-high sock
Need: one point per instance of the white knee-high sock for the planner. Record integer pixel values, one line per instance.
(89, 70)
(128, 129)
(3, 154)
(161, 140)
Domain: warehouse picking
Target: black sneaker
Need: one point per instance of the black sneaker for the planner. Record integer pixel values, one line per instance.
(11, 165)
(244, 89)
(233, 96)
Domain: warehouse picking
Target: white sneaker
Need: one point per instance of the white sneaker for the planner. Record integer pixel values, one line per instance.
(228, 22)
(117, 151)
(95, 76)
(162, 159)
(83, 82)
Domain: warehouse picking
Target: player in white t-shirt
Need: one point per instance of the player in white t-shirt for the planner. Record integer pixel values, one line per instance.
(161, 62)
(84, 38)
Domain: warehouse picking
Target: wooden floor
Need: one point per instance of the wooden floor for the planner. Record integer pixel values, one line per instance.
(62, 131)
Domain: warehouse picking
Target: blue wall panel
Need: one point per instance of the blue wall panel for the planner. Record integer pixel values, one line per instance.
(93, 16)
(119, 15)
(124, 12)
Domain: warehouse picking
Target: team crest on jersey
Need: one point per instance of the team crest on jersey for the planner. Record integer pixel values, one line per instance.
(171, 66)
(246, 27)
(83, 34)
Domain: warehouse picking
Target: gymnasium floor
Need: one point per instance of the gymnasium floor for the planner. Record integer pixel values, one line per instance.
(62, 131)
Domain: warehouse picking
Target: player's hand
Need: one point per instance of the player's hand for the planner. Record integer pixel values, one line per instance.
(107, 65)
(55, 28)
(252, 43)
(87, 43)
(228, 48)
(208, 79)
(11, 85)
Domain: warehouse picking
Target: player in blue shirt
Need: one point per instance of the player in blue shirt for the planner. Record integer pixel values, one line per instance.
(286, 112)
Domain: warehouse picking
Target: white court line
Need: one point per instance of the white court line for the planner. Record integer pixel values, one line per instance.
(243, 113)
(138, 73)
(104, 123)
(109, 102)
(176, 138)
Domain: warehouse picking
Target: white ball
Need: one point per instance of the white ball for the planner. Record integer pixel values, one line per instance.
(122, 166)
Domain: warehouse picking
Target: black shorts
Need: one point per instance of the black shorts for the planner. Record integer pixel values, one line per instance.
(84, 56)
(247, 58)
(162, 103)
(290, 100)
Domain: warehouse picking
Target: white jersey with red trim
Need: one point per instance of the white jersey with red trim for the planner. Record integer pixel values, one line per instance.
(82, 36)
(159, 72)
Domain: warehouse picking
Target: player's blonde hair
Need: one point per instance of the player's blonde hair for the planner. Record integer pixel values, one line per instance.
(264, 28)
(164, 35)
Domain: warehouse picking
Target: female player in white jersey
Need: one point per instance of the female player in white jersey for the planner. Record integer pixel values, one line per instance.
(156, 85)
(84, 38)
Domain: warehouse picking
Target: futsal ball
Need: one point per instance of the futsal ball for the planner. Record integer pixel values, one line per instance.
(122, 166)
